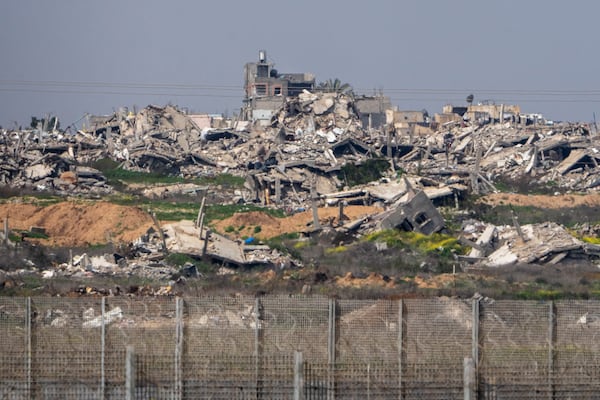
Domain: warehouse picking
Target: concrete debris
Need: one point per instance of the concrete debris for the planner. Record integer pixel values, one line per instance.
(415, 213)
(310, 138)
(296, 161)
(245, 318)
(108, 317)
(185, 237)
(545, 243)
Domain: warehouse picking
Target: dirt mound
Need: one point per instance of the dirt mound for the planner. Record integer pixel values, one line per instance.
(265, 226)
(542, 201)
(252, 218)
(79, 223)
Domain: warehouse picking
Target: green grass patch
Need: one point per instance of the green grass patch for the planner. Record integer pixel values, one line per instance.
(40, 200)
(28, 285)
(114, 175)
(35, 235)
(180, 259)
(371, 170)
(14, 237)
(539, 294)
(391, 237)
(437, 243)
(279, 243)
(165, 210)
(18, 235)
(223, 211)
(568, 217)
(591, 239)
(301, 245)
(336, 250)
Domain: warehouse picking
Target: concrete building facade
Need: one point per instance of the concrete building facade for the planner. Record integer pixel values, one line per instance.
(266, 89)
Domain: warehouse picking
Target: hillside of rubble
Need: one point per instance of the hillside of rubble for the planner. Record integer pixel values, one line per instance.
(153, 203)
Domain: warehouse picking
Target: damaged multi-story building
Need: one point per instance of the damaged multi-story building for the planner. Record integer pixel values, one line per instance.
(266, 89)
(372, 110)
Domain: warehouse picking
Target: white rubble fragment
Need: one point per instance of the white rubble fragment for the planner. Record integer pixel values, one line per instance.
(110, 316)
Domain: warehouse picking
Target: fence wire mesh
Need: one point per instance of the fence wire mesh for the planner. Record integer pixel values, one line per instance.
(368, 330)
(245, 347)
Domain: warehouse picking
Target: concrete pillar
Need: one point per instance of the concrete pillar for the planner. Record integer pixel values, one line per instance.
(6, 231)
(207, 236)
(315, 210)
(277, 190)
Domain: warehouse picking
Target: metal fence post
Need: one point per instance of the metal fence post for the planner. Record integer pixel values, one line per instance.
(551, 346)
(258, 347)
(103, 349)
(368, 381)
(130, 374)
(469, 379)
(178, 348)
(475, 342)
(29, 348)
(401, 347)
(257, 327)
(331, 353)
(298, 376)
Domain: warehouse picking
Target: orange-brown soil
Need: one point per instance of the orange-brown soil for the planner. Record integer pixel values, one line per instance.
(78, 223)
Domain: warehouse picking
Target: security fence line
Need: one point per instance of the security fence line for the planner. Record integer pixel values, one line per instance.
(246, 347)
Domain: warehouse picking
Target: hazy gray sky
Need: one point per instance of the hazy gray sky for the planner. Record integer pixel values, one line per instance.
(71, 57)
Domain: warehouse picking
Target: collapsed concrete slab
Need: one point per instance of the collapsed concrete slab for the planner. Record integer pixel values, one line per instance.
(414, 213)
(533, 243)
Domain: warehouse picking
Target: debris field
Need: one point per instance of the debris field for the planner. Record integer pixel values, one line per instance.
(300, 162)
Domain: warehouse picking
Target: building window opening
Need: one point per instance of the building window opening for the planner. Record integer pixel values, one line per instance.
(261, 89)
(262, 71)
(421, 219)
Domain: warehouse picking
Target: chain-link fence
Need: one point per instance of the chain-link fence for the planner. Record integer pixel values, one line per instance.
(281, 347)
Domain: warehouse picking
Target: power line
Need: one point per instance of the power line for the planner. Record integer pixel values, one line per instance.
(543, 92)
(236, 92)
(119, 85)
(186, 86)
(499, 101)
(115, 93)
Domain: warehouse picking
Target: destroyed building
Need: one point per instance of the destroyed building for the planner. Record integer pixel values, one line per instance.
(294, 157)
(266, 88)
(417, 213)
(409, 123)
(372, 110)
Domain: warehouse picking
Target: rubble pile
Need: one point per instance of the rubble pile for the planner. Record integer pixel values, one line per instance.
(296, 163)
(562, 155)
(51, 162)
(315, 118)
(545, 243)
(299, 156)
(149, 266)
(310, 138)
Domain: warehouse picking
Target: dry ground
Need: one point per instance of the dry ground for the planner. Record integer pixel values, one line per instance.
(245, 224)
(88, 223)
(79, 223)
(84, 223)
